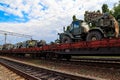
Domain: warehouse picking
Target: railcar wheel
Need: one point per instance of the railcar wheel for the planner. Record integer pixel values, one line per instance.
(68, 57)
(50, 56)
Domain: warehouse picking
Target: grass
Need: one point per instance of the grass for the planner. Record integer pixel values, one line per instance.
(96, 57)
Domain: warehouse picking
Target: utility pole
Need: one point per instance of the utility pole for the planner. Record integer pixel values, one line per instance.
(5, 38)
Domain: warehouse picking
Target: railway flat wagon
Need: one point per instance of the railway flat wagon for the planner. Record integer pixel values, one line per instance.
(104, 47)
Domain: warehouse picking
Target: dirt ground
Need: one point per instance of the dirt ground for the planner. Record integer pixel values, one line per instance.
(6, 74)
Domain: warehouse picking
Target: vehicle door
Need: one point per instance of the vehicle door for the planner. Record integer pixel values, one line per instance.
(76, 28)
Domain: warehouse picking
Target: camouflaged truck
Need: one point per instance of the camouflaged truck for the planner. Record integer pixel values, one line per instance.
(95, 26)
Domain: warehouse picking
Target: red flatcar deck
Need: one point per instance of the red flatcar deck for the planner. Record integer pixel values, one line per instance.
(105, 46)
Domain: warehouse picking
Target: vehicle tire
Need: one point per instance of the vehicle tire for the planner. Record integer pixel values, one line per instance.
(66, 39)
(94, 35)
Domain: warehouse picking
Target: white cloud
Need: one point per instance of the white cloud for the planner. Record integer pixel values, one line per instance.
(44, 24)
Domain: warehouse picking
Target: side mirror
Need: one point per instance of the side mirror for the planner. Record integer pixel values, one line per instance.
(64, 29)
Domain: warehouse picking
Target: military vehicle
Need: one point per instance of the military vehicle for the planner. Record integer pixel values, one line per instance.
(95, 26)
(29, 43)
(18, 45)
(41, 43)
(7, 46)
(1, 47)
(73, 33)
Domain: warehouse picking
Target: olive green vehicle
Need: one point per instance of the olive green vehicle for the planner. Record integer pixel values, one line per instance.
(28, 44)
(7, 46)
(95, 26)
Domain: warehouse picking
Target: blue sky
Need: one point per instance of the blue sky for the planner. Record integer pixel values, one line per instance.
(43, 19)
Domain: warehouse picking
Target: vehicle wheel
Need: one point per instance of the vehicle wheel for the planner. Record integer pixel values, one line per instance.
(94, 35)
(66, 39)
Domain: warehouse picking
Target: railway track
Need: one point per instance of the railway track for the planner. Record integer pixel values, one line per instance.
(108, 63)
(35, 73)
(6, 74)
(98, 62)
(99, 59)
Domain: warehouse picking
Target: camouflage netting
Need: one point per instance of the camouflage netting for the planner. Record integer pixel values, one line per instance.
(92, 16)
(98, 19)
(105, 21)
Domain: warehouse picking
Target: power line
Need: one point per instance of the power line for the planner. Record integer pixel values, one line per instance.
(5, 33)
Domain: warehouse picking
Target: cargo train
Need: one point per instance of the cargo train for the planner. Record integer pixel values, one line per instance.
(98, 34)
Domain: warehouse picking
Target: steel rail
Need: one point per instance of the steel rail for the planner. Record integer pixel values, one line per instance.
(35, 73)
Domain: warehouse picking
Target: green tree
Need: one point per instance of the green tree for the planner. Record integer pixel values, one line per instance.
(111, 12)
(105, 8)
(116, 10)
(98, 11)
